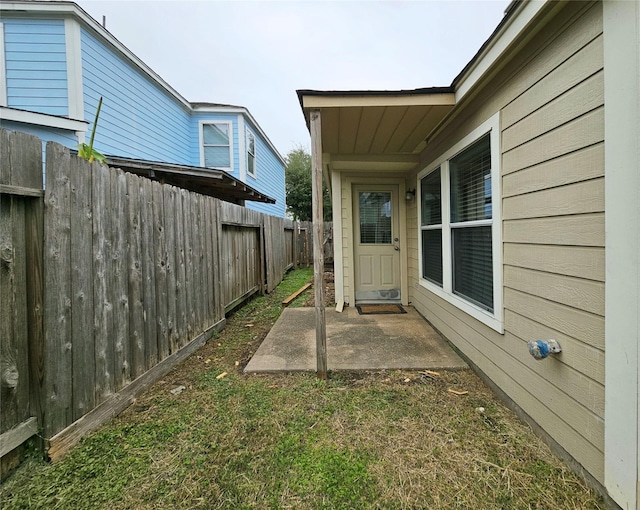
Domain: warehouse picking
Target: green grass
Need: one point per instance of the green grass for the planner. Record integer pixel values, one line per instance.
(358, 440)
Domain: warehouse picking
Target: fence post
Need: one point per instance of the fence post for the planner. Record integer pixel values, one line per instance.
(21, 304)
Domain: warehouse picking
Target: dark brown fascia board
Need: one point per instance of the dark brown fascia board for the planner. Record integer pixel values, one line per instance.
(404, 92)
(210, 178)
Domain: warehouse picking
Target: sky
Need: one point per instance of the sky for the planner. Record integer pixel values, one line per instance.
(256, 54)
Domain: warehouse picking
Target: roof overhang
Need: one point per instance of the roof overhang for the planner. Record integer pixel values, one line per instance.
(209, 181)
(42, 119)
(371, 126)
(376, 130)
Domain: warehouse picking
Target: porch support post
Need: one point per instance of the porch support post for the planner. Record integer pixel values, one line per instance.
(318, 240)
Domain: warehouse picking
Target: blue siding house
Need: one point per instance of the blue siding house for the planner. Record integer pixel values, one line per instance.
(56, 62)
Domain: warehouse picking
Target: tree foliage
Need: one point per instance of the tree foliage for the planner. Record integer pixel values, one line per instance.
(298, 186)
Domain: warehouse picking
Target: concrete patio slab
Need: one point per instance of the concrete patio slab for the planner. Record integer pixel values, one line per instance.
(354, 342)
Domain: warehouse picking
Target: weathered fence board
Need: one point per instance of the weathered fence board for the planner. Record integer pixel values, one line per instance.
(181, 303)
(120, 288)
(35, 300)
(207, 250)
(198, 298)
(169, 200)
(148, 275)
(13, 333)
(82, 334)
(188, 263)
(107, 276)
(9, 418)
(289, 244)
(160, 257)
(102, 313)
(21, 283)
(274, 250)
(136, 307)
(19, 307)
(57, 287)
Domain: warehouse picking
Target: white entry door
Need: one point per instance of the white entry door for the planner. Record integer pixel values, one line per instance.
(376, 243)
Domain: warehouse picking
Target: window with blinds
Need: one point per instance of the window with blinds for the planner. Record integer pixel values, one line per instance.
(375, 217)
(459, 229)
(216, 145)
(470, 185)
(431, 226)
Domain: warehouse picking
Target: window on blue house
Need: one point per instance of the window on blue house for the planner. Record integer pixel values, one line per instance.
(216, 145)
(251, 154)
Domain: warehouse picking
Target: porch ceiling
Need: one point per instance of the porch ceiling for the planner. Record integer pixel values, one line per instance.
(377, 130)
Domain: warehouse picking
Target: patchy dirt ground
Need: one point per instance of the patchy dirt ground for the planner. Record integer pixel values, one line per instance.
(329, 290)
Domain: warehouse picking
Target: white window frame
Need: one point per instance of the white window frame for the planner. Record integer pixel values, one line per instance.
(3, 69)
(217, 122)
(250, 134)
(75, 91)
(492, 319)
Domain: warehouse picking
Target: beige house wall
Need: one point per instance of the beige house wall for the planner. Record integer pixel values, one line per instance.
(551, 104)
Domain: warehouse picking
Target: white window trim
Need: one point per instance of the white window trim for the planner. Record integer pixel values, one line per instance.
(201, 134)
(3, 69)
(492, 319)
(75, 94)
(249, 133)
(242, 162)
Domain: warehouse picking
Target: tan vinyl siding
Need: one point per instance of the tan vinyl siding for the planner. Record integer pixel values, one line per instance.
(584, 63)
(574, 167)
(579, 261)
(574, 230)
(577, 134)
(413, 265)
(550, 98)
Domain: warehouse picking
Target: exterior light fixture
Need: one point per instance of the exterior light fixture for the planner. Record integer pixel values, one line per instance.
(410, 195)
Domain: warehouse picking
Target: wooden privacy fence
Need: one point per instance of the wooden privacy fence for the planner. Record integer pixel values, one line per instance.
(21, 298)
(109, 279)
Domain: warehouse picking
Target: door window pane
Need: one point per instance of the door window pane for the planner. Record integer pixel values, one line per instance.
(375, 217)
(471, 183)
(473, 265)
